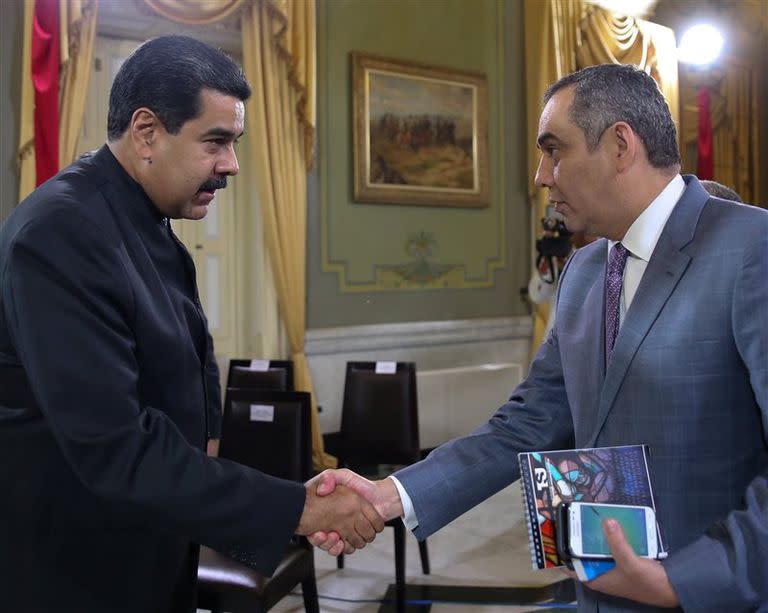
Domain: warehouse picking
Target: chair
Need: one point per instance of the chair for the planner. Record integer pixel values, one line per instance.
(278, 376)
(380, 425)
(281, 447)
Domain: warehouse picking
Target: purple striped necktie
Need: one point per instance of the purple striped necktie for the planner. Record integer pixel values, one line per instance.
(613, 278)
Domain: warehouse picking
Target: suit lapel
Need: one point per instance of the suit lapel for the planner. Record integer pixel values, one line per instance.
(665, 269)
(591, 317)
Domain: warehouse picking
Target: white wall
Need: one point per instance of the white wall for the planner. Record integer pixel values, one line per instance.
(452, 352)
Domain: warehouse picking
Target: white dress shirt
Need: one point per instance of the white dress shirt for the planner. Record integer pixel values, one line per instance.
(640, 240)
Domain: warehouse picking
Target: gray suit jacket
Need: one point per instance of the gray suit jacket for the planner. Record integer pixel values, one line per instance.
(688, 377)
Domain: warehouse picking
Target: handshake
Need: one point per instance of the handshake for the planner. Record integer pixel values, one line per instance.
(344, 511)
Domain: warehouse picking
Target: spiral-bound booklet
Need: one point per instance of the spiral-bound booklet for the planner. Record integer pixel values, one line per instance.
(615, 475)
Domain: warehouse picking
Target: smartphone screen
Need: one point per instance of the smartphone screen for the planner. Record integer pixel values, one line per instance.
(632, 521)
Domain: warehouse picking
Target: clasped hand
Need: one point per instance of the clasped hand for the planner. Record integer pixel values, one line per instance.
(340, 510)
(377, 499)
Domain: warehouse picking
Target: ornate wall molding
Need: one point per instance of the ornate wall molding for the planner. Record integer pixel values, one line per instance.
(401, 336)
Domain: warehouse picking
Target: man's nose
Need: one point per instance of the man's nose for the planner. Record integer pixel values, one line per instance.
(543, 176)
(228, 165)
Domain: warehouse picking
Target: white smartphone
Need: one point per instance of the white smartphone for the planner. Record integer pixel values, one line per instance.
(585, 529)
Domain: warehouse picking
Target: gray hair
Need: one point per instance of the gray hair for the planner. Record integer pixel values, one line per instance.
(609, 93)
(718, 190)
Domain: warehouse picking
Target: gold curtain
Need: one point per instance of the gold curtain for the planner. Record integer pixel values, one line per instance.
(194, 12)
(77, 26)
(735, 122)
(564, 35)
(78, 34)
(26, 156)
(293, 36)
(275, 36)
(552, 36)
(608, 38)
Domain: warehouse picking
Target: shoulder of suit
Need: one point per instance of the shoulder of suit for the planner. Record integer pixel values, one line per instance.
(596, 249)
(587, 260)
(736, 214)
(74, 191)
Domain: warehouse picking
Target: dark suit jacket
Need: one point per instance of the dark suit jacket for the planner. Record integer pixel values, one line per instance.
(106, 488)
(688, 376)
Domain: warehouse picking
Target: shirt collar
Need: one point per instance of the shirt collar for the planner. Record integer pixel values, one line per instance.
(140, 207)
(642, 236)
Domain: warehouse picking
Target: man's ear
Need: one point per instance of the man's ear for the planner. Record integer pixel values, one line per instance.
(625, 143)
(144, 127)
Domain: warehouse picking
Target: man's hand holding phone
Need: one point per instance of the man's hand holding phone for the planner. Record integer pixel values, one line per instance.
(635, 577)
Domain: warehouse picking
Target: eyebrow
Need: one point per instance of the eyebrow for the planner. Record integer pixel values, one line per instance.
(221, 133)
(546, 136)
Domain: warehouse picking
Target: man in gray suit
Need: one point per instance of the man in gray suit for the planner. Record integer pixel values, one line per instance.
(687, 373)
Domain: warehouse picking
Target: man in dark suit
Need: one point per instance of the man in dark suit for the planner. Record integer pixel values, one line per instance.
(671, 351)
(109, 390)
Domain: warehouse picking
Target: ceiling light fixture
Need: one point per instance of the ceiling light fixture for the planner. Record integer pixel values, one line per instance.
(701, 44)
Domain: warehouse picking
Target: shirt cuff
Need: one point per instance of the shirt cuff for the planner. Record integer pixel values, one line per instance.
(409, 515)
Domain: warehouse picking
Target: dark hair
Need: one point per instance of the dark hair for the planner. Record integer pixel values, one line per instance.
(166, 75)
(718, 190)
(608, 93)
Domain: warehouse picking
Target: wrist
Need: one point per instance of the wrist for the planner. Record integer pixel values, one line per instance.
(390, 506)
(669, 596)
(304, 521)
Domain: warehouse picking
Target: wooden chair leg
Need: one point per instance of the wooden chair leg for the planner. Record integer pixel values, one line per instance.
(309, 592)
(424, 556)
(399, 566)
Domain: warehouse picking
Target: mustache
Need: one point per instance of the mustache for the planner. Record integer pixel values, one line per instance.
(218, 182)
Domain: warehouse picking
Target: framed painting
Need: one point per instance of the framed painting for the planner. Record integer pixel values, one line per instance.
(420, 133)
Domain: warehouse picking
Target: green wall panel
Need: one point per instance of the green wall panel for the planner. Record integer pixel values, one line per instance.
(11, 28)
(366, 261)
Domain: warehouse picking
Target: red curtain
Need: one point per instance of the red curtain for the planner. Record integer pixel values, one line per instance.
(705, 167)
(45, 78)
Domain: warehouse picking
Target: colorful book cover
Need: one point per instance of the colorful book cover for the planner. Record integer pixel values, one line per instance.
(616, 475)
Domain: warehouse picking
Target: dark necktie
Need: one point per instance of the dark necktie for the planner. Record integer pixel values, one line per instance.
(613, 277)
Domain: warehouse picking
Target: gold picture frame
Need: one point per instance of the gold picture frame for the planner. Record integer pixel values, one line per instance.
(420, 133)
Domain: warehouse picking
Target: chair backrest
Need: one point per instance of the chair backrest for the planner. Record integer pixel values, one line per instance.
(269, 431)
(278, 376)
(379, 417)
